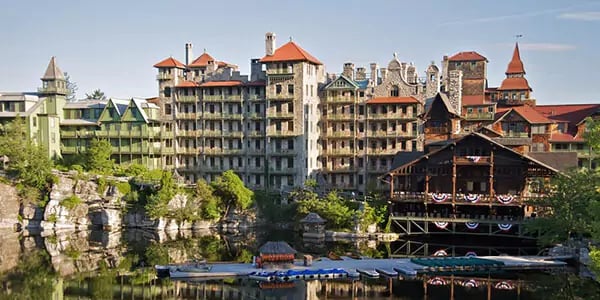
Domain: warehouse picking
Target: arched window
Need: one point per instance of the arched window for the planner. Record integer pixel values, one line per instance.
(395, 91)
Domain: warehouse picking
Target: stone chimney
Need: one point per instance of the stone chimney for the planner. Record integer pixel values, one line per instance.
(445, 73)
(188, 53)
(373, 73)
(361, 73)
(269, 43)
(348, 70)
(454, 89)
(383, 73)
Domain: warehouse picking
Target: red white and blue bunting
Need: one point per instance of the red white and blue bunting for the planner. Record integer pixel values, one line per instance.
(441, 225)
(505, 199)
(471, 283)
(504, 285)
(471, 254)
(505, 227)
(437, 281)
(439, 197)
(472, 225)
(473, 198)
(440, 252)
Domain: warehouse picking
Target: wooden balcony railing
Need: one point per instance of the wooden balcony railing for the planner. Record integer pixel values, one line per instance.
(466, 199)
(473, 160)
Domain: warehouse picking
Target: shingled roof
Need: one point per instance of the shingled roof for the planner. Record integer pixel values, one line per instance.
(53, 72)
(290, 52)
(515, 66)
(276, 248)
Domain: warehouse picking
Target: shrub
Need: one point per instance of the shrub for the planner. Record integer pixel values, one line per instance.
(77, 168)
(102, 185)
(72, 252)
(70, 202)
(123, 187)
(52, 219)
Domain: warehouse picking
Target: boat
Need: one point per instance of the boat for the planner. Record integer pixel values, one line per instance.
(189, 271)
(290, 275)
(368, 273)
(165, 270)
(387, 272)
(263, 276)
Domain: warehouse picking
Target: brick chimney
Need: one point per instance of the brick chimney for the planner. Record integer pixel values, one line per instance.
(269, 43)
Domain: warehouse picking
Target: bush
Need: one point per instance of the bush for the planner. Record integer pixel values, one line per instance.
(77, 168)
(102, 185)
(52, 219)
(123, 187)
(70, 202)
(29, 194)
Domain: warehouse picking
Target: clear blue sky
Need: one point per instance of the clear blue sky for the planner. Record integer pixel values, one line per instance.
(112, 45)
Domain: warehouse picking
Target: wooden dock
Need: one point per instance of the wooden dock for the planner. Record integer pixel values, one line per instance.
(405, 267)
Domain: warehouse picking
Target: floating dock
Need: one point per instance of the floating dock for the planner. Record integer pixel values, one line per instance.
(406, 267)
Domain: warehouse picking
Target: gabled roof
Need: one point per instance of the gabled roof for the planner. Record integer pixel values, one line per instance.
(562, 161)
(467, 56)
(477, 135)
(290, 52)
(169, 62)
(187, 84)
(468, 100)
(221, 83)
(525, 111)
(565, 137)
(445, 101)
(202, 60)
(514, 84)
(53, 72)
(515, 66)
(349, 81)
(391, 100)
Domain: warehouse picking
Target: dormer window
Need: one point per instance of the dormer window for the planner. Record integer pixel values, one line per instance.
(395, 91)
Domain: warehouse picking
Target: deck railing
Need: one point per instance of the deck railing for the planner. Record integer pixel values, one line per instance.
(466, 199)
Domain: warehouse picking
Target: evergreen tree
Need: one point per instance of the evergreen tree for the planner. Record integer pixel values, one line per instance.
(98, 157)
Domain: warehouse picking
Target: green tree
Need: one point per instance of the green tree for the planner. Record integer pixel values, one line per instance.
(157, 205)
(96, 94)
(29, 162)
(204, 197)
(98, 157)
(230, 188)
(71, 88)
(591, 135)
(572, 208)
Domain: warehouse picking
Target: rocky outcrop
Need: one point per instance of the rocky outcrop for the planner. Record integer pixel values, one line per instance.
(9, 206)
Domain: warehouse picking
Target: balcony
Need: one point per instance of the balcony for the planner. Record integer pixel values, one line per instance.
(232, 98)
(389, 134)
(212, 98)
(380, 151)
(53, 90)
(340, 169)
(164, 76)
(339, 152)
(392, 116)
(340, 117)
(282, 152)
(280, 115)
(341, 99)
(167, 150)
(211, 133)
(473, 160)
(479, 116)
(280, 97)
(166, 134)
(188, 116)
(68, 149)
(340, 134)
(516, 134)
(275, 170)
(191, 99)
(186, 133)
(256, 134)
(256, 97)
(68, 134)
(211, 116)
(212, 151)
(437, 130)
(233, 116)
(283, 133)
(233, 151)
(232, 134)
(254, 116)
(280, 71)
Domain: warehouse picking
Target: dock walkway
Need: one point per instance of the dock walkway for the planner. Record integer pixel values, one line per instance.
(403, 266)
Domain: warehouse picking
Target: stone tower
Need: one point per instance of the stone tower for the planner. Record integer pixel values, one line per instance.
(433, 80)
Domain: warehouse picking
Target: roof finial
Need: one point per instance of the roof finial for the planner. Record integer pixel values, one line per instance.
(291, 38)
(204, 50)
(517, 37)
(396, 55)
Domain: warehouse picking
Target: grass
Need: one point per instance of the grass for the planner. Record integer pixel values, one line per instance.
(71, 202)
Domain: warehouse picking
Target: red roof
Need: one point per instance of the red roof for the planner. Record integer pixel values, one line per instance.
(202, 60)
(467, 56)
(531, 115)
(185, 84)
(564, 137)
(290, 52)
(473, 100)
(169, 63)
(390, 100)
(514, 83)
(572, 113)
(221, 83)
(515, 66)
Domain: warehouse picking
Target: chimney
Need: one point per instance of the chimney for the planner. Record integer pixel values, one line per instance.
(361, 73)
(445, 73)
(373, 73)
(188, 53)
(348, 70)
(455, 89)
(383, 73)
(269, 43)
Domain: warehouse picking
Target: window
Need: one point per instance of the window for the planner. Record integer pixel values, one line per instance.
(291, 125)
(167, 92)
(290, 144)
(538, 129)
(290, 89)
(537, 147)
(278, 89)
(395, 91)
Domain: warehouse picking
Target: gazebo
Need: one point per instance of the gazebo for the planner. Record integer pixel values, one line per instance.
(313, 226)
(276, 254)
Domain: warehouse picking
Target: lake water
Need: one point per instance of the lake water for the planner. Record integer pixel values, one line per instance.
(118, 265)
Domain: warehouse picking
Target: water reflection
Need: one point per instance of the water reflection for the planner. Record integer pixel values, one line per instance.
(118, 265)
